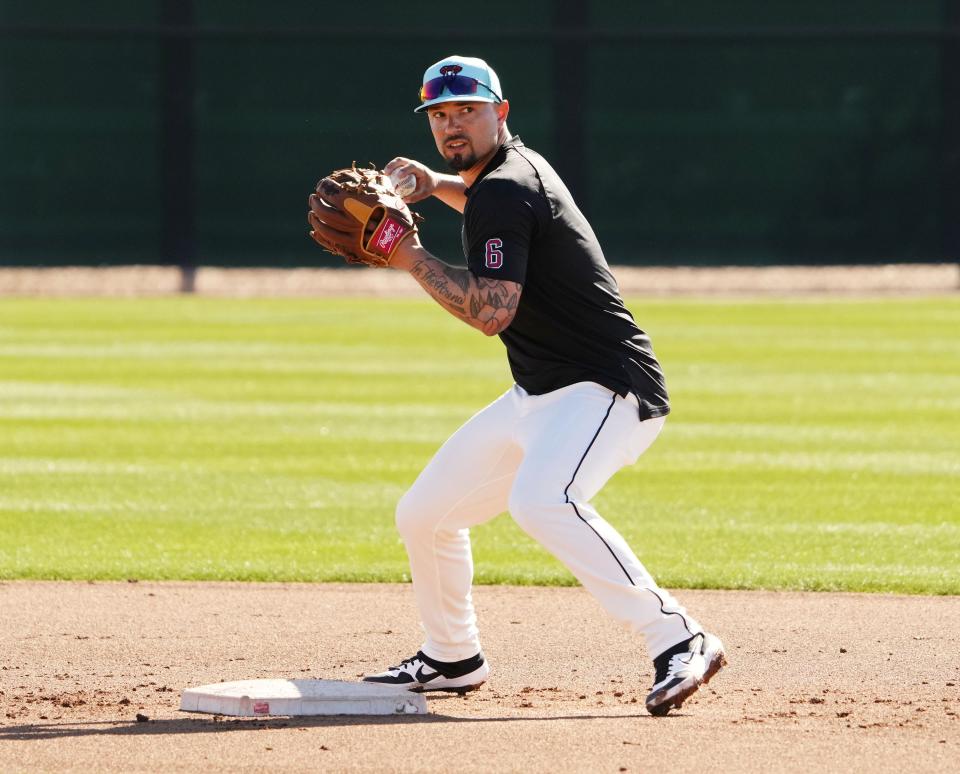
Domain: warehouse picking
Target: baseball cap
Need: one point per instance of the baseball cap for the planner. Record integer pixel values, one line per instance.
(459, 79)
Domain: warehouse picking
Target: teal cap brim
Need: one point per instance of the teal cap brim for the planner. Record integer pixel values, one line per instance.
(447, 97)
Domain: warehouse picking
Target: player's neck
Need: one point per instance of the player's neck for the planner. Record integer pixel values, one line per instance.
(469, 176)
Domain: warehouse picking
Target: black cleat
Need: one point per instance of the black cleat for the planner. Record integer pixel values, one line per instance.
(681, 670)
(421, 673)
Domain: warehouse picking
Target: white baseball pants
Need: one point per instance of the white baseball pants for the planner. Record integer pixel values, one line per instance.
(542, 457)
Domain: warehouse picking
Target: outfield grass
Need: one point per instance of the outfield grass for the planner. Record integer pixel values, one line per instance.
(813, 445)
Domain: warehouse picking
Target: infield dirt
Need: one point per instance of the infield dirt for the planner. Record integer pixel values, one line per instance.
(817, 682)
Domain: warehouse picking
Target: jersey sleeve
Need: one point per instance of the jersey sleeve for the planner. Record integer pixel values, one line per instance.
(499, 225)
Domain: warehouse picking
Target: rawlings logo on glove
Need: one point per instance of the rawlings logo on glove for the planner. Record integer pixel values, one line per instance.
(357, 214)
(388, 233)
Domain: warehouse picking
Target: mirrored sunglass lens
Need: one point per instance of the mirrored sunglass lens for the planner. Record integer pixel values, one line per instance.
(432, 88)
(457, 85)
(460, 85)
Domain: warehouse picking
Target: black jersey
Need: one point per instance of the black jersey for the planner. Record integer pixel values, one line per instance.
(521, 224)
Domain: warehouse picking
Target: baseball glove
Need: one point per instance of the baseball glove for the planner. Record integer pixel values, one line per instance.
(357, 214)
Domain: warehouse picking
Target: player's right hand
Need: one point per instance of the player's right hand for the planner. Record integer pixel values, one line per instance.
(427, 179)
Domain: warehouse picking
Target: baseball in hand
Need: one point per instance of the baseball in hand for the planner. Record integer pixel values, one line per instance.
(404, 186)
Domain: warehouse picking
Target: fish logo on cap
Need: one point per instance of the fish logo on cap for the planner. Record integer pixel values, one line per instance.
(451, 69)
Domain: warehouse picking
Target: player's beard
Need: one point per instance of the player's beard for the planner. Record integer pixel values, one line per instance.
(460, 160)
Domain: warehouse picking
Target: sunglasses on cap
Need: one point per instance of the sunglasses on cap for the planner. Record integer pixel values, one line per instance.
(457, 85)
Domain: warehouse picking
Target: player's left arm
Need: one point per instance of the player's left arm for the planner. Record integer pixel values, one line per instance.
(486, 304)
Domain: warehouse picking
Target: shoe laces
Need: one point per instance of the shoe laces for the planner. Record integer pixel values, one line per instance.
(405, 662)
(668, 666)
(679, 661)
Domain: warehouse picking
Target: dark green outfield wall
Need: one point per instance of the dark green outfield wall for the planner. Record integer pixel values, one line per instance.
(691, 132)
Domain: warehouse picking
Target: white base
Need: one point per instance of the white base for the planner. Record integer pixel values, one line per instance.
(261, 698)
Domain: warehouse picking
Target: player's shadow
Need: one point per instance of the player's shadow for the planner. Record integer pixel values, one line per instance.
(218, 725)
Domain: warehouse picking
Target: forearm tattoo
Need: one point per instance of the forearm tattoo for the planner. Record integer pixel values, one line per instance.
(440, 285)
(486, 304)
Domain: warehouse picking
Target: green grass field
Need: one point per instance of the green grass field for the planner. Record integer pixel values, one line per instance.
(813, 445)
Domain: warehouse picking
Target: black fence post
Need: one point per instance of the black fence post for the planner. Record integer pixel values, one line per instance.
(950, 132)
(569, 110)
(177, 139)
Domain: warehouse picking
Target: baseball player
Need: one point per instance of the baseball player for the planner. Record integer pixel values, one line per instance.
(588, 398)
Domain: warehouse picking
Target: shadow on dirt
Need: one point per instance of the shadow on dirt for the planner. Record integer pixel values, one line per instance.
(218, 725)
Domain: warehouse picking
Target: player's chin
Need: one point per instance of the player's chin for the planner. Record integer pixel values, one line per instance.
(460, 161)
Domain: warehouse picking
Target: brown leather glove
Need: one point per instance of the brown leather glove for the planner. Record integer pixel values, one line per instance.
(357, 214)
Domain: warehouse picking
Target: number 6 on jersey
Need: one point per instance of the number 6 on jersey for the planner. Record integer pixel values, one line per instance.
(494, 255)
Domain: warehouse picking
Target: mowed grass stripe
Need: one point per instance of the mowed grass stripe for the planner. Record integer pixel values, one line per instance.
(813, 444)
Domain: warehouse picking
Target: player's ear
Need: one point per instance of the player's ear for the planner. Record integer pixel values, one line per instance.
(503, 110)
